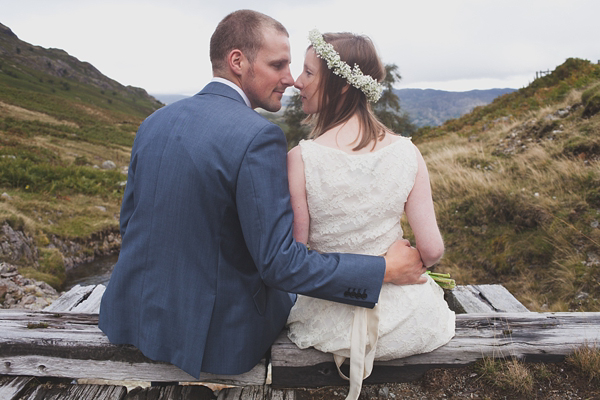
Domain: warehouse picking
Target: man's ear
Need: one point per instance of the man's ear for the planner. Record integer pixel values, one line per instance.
(237, 62)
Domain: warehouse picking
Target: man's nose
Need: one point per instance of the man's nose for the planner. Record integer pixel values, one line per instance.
(288, 79)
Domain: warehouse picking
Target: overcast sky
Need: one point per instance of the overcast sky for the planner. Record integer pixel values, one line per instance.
(456, 45)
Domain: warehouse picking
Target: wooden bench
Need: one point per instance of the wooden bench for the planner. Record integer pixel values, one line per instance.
(64, 341)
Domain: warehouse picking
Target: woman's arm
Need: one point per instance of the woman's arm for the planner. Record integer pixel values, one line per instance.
(297, 185)
(421, 216)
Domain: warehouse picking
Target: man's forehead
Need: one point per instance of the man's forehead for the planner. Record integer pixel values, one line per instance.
(275, 42)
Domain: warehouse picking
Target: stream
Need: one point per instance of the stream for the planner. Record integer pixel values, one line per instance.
(94, 273)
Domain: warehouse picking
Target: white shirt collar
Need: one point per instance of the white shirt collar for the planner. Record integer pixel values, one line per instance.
(233, 86)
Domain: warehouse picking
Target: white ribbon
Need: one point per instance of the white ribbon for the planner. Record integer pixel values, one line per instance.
(362, 354)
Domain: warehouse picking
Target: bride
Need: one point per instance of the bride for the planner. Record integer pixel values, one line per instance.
(349, 186)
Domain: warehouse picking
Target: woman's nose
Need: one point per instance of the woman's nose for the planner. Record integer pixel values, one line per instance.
(298, 84)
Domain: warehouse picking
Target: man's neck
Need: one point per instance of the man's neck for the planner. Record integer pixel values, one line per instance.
(232, 85)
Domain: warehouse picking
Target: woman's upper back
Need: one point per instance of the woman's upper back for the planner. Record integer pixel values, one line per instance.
(356, 200)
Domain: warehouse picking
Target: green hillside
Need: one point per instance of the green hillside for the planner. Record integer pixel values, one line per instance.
(516, 186)
(66, 132)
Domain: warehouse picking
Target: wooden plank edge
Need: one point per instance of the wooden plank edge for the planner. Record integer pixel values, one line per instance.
(42, 366)
(70, 299)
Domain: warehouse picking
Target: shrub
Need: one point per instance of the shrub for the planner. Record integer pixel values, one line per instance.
(587, 360)
(589, 93)
(593, 106)
(509, 375)
(52, 263)
(54, 179)
(81, 160)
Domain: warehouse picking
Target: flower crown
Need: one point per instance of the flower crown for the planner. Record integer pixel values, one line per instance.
(369, 86)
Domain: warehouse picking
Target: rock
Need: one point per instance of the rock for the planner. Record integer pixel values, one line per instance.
(384, 392)
(16, 245)
(16, 291)
(108, 165)
(563, 112)
(593, 260)
(582, 296)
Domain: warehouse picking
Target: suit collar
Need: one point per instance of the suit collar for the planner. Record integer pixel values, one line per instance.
(226, 90)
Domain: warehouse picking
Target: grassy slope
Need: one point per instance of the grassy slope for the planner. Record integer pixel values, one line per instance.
(54, 132)
(517, 191)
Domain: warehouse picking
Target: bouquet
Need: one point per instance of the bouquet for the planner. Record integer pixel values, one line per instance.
(442, 279)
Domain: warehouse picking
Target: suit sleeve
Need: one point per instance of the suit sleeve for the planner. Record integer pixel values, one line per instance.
(128, 204)
(266, 217)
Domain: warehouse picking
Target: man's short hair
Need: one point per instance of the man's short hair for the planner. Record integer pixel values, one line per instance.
(242, 30)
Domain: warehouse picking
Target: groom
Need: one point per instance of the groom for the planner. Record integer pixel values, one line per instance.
(208, 258)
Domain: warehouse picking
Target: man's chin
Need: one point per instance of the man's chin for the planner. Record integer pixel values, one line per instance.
(273, 107)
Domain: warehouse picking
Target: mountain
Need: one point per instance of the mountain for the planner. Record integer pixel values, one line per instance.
(66, 132)
(428, 107)
(169, 98)
(549, 90)
(53, 72)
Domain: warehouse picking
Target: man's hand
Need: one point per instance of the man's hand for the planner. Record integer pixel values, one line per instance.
(403, 265)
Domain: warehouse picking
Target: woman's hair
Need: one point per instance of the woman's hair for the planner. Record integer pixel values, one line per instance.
(242, 30)
(337, 107)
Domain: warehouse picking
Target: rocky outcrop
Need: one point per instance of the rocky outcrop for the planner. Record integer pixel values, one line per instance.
(16, 291)
(82, 251)
(17, 246)
(533, 131)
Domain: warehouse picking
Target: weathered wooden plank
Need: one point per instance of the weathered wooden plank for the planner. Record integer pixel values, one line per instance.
(77, 392)
(47, 366)
(71, 299)
(462, 299)
(91, 305)
(500, 299)
(172, 392)
(256, 393)
(483, 299)
(11, 387)
(526, 336)
(71, 345)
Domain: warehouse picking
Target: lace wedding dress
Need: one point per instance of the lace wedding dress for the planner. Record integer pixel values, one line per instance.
(355, 203)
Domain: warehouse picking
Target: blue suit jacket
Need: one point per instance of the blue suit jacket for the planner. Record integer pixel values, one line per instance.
(208, 257)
